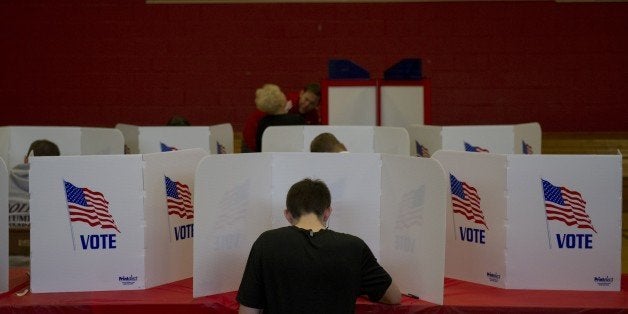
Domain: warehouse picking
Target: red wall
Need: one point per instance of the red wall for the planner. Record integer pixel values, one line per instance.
(97, 63)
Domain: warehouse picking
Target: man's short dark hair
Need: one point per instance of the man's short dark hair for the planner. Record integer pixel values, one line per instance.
(308, 196)
(313, 88)
(43, 148)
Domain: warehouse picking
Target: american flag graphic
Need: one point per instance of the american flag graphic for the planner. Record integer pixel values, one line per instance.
(166, 148)
(466, 201)
(220, 149)
(470, 148)
(526, 149)
(422, 151)
(89, 207)
(179, 199)
(565, 205)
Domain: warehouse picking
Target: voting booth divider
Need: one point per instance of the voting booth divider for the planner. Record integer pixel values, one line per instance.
(522, 138)
(15, 140)
(4, 227)
(534, 221)
(357, 139)
(396, 204)
(375, 102)
(121, 222)
(215, 139)
(14, 144)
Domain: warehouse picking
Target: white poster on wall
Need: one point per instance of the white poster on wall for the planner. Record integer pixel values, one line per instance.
(352, 105)
(402, 105)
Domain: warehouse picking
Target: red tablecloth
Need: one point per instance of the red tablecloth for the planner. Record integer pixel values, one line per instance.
(460, 296)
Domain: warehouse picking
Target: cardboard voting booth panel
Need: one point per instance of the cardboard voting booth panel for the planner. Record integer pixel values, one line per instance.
(403, 103)
(14, 145)
(357, 139)
(4, 227)
(216, 139)
(499, 139)
(350, 102)
(101, 141)
(221, 139)
(15, 141)
(535, 221)
(121, 222)
(396, 204)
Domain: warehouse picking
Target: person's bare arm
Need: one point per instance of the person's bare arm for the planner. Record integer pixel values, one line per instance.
(248, 310)
(392, 295)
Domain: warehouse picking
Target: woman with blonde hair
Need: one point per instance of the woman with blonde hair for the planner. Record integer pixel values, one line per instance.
(271, 100)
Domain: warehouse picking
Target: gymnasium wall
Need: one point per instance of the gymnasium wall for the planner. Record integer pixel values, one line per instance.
(97, 63)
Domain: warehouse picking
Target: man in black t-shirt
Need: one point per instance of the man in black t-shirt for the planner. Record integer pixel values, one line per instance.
(306, 268)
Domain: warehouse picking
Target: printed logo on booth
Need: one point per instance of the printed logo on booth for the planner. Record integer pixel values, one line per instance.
(421, 151)
(568, 207)
(465, 201)
(92, 208)
(493, 277)
(127, 280)
(477, 149)
(165, 148)
(180, 209)
(604, 281)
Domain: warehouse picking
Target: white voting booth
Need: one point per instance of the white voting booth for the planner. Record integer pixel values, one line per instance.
(4, 228)
(357, 139)
(499, 139)
(121, 222)
(215, 139)
(396, 204)
(534, 222)
(14, 144)
(15, 140)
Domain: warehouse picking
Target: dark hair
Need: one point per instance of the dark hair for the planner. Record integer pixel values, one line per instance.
(308, 196)
(326, 143)
(43, 148)
(313, 88)
(178, 121)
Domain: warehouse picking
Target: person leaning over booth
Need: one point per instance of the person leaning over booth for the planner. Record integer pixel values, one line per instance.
(307, 103)
(307, 106)
(307, 268)
(327, 143)
(272, 100)
(19, 199)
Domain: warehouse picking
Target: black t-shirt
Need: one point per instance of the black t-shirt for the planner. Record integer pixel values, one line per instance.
(292, 270)
(275, 120)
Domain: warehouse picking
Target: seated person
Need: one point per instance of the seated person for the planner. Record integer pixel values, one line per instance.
(307, 103)
(19, 198)
(327, 143)
(271, 99)
(307, 268)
